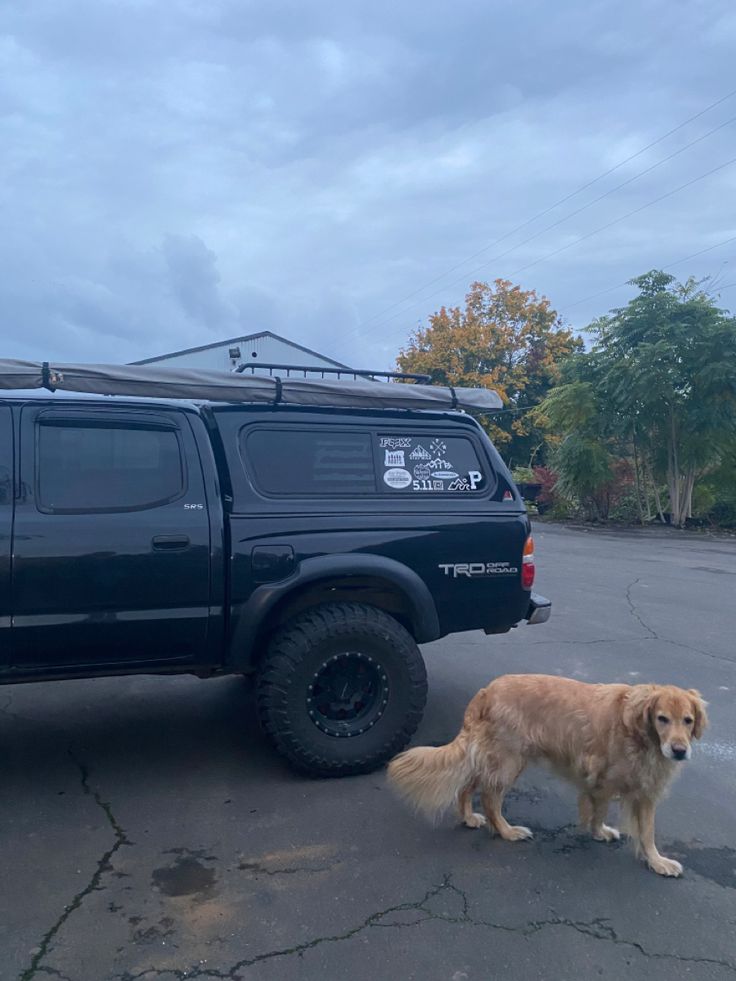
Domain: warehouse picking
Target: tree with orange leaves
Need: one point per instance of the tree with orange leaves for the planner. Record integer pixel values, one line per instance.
(507, 339)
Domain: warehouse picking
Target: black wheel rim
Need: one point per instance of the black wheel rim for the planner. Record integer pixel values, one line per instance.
(348, 694)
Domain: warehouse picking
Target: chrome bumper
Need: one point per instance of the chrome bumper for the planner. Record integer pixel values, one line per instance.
(539, 610)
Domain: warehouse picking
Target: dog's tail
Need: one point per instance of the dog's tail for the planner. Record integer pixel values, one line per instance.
(430, 778)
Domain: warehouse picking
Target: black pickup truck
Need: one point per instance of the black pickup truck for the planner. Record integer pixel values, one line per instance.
(312, 545)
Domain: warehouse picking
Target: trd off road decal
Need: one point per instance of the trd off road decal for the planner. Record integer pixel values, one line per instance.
(422, 464)
(474, 570)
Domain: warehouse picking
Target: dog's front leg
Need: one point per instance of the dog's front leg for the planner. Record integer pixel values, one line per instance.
(644, 825)
(599, 811)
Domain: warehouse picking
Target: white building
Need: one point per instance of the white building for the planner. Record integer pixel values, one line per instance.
(251, 349)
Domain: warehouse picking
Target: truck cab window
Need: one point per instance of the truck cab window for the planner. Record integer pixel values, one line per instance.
(83, 467)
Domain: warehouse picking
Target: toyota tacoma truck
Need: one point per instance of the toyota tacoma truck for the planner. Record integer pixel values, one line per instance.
(309, 532)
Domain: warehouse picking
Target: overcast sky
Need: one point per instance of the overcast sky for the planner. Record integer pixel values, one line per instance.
(173, 173)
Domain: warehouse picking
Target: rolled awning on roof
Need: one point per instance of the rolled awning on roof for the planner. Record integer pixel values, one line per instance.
(152, 381)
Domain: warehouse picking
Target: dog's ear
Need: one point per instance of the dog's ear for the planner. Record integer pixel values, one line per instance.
(637, 714)
(700, 716)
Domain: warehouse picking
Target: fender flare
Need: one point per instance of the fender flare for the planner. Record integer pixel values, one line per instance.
(248, 617)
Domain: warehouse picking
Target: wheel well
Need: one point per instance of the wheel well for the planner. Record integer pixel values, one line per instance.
(370, 590)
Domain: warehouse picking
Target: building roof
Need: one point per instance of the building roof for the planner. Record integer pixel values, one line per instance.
(240, 340)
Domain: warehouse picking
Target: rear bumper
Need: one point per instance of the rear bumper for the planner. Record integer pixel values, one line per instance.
(539, 610)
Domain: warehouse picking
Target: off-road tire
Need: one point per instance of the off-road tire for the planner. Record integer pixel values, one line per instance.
(310, 643)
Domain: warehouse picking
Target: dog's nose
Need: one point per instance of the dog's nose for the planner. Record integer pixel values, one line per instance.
(679, 752)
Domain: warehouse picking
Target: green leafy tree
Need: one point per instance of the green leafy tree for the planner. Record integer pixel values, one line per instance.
(670, 361)
(661, 380)
(575, 416)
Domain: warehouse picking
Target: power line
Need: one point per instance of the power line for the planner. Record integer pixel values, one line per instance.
(629, 214)
(551, 207)
(677, 262)
(596, 231)
(572, 214)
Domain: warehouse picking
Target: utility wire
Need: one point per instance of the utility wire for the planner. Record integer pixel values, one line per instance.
(629, 214)
(677, 262)
(547, 210)
(560, 221)
(583, 238)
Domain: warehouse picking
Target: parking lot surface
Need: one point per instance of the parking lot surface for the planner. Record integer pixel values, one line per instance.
(148, 831)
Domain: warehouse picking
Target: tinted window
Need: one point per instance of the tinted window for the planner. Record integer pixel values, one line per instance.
(427, 464)
(85, 467)
(308, 462)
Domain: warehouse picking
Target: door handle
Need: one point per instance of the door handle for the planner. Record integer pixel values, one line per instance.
(170, 543)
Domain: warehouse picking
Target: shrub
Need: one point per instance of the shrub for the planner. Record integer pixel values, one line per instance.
(523, 475)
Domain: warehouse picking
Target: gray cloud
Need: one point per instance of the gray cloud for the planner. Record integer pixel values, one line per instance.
(194, 279)
(173, 173)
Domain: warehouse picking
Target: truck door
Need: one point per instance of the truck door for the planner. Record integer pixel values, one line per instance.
(6, 526)
(111, 541)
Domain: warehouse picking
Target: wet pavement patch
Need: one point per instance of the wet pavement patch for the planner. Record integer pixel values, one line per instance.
(187, 876)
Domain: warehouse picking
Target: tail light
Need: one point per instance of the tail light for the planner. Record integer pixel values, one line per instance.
(527, 564)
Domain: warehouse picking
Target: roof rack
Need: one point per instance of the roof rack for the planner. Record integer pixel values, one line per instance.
(354, 373)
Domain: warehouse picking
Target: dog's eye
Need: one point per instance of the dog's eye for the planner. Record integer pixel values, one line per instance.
(687, 720)
(663, 719)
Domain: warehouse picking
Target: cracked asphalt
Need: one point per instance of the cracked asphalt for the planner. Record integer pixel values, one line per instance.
(149, 832)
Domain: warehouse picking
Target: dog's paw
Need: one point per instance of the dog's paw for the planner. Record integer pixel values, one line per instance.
(607, 833)
(665, 866)
(475, 821)
(517, 832)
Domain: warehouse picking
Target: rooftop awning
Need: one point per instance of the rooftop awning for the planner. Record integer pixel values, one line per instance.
(152, 381)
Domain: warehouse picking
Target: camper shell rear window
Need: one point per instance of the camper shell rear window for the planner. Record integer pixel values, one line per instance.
(348, 462)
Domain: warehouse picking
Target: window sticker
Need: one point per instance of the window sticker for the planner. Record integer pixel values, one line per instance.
(430, 464)
(394, 458)
(419, 453)
(395, 442)
(442, 469)
(397, 478)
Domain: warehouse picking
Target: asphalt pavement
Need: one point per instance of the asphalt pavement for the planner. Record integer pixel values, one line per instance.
(148, 831)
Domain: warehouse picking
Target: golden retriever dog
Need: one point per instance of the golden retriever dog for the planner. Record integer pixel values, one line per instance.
(611, 741)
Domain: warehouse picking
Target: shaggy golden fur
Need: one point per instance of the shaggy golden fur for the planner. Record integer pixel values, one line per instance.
(611, 741)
